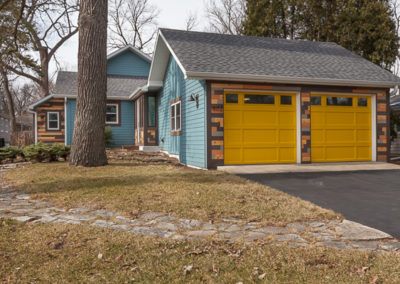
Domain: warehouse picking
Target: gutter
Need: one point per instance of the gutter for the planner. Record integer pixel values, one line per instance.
(287, 80)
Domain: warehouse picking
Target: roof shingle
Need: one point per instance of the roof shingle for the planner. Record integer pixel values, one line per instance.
(117, 86)
(261, 56)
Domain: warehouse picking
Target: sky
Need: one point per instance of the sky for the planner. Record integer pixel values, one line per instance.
(173, 14)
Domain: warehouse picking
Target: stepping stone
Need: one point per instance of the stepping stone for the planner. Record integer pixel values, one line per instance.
(232, 235)
(23, 218)
(23, 197)
(233, 220)
(179, 237)
(64, 221)
(201, 233)
(150, 215)
(21, 210)
(316, 224)
(208, 226)
(354, 231)
(391, 246)
(120, 227)
(251, 236)
(365, 245)
(322, 236)
(167, 226)
(297, 245)
(335, 244)
(189, 224)
(77, 217)
(104, 213)
(78, 210)
(233, 228)
(296, 226)
(148, 231)
(272, 230)
(102, 223)
(46, 219)
(290, 238)
(165, 219)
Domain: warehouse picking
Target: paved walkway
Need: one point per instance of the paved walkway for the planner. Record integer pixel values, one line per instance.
(307, 168)
(337, 234)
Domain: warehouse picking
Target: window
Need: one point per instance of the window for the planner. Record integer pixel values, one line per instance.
(176, 116)
(112, 114)
(286, 100)
(232, 98)
(339, 101)
(53, 120)
(315, 101)
(259, 99)
(151, 111)
(362, 102)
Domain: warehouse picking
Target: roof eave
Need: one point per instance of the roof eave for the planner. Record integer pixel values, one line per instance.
(288, 80)
(39, 102)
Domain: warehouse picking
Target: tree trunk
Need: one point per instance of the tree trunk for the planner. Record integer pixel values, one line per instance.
(88, 143)
(10, 105)
(44, 76)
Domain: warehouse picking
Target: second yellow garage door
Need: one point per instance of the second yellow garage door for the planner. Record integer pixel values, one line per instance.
(340, 128)
(259, 128)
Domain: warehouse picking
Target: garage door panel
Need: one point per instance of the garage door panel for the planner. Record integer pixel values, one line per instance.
(234, 117)
(259, 117)
(340, 133)
(347, 153)
(259, 136)
(267, 131)
(260, 155)
(343, 135)
(233, 136)
(339, 118)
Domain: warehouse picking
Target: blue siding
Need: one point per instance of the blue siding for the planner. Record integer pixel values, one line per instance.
(128, 63)
(191, 145)
(122, 135)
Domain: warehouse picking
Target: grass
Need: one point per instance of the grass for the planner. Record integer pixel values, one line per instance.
(56, 253)
(130, 188)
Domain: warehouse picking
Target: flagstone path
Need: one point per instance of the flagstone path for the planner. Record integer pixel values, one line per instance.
(337, 233)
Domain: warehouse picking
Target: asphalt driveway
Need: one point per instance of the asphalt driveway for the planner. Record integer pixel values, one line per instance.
(371, 198)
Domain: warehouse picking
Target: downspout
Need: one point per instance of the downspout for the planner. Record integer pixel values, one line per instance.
(65, 121)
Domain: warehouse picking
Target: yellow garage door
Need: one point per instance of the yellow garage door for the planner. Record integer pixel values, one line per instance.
(340, 128)
(259, 128)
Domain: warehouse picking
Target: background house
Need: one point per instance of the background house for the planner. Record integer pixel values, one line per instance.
(4, 123)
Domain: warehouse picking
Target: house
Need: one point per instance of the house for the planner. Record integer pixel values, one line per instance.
(127, 70)
(395, 106)
(212, 100)
(4, 123)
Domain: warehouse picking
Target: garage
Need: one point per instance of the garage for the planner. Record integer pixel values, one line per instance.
(340, 128)
(260, 128)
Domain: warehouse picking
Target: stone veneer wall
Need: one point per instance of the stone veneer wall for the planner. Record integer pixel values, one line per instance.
(382, 129)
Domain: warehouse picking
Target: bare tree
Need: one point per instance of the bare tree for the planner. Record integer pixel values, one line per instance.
(24, 96)
(48, 24)
(226, 16)
(132, 22)
(88, 143)
(191, 21)
(395, 6)
(10, 103)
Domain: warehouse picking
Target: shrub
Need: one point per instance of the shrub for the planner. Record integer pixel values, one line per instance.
(59, 151)
(108, 135)
(11, 153)
(38, 152)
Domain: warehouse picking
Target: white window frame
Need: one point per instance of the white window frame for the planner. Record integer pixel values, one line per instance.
(48, 120)
(174, 128)
(117, 115)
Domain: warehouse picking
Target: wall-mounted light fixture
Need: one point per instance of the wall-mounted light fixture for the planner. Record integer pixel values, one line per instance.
(194, 98)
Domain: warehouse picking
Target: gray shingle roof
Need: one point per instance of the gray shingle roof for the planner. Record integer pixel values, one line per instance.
(230, 54)
(117, 86)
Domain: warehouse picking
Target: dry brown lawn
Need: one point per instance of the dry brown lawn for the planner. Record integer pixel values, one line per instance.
(130, 188)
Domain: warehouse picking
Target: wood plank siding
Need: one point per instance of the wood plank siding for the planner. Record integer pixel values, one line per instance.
(50, 136)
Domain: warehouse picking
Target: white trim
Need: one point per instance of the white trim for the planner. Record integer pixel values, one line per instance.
(298, 126)
(117, 114)
(65, 121)
(48, 120)
(36, 130)
(59, 96)
(149, 148)
(45, 99)
(287, 80)
(173, 54)
(373, 116)
(131, 48)
(373, 125)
